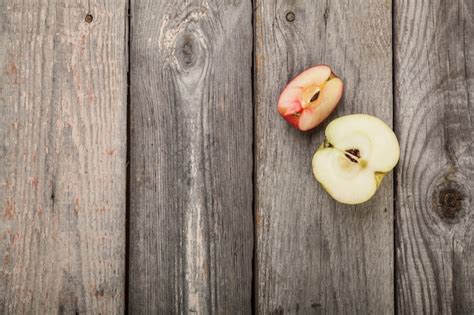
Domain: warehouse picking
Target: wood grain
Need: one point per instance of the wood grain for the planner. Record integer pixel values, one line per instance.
(191, 157)
(62, 174)
(313, 254)
(434, 90)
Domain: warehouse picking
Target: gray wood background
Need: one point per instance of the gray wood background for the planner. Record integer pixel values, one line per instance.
(191, 157)
(63, 148)
(434, 97)
(145, 169)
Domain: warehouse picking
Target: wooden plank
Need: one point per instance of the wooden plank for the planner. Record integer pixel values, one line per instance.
(434, 90)
(191, 157)
(63, 131)
(313, 254)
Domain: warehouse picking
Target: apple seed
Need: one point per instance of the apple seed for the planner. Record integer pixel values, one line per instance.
(355, 152)
(350, 158)
(315, 96)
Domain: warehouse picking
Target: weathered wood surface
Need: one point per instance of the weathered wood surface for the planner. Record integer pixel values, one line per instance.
(191, 157)
(63, 124)
(314, 255)
(434, 93)
(62, 174)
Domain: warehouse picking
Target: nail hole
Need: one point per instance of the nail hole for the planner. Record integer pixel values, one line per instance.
(89, 18)
(290, 16)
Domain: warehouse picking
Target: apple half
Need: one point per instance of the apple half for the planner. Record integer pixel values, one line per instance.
(357, 153)
(310, 97)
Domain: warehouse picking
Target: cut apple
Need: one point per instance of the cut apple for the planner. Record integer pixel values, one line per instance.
(310, 97)
(357, 153)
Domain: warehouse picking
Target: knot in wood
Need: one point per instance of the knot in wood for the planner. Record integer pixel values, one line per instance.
(186, 50)
(450, 201)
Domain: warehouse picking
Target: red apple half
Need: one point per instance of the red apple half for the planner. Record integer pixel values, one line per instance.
(310, 97)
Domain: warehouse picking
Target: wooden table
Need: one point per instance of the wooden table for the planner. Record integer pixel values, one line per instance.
(144, 167)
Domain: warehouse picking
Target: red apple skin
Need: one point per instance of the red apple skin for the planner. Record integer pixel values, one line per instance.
(292, 105)
(292, 119)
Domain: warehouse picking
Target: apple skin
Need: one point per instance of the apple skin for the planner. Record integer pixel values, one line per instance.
(296, 104)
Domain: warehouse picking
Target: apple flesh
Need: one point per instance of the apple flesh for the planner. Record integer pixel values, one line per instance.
(357, 153)
(310, 97)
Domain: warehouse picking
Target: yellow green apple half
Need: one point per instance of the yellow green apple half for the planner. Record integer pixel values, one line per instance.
(357, 153)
